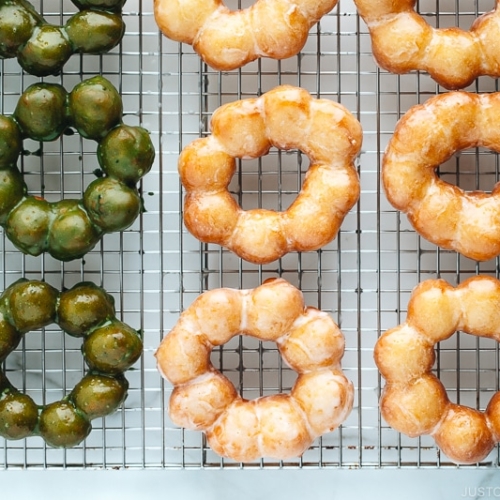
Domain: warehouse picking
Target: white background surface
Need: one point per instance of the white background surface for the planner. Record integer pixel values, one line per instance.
(383, 484)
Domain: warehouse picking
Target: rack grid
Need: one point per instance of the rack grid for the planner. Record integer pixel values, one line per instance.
(155, 269)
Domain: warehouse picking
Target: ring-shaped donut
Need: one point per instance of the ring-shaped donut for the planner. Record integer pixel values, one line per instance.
(42, 49)
(414, 400)
(403, 41)
(286, 118)
(110, 347)
(426, 136)
(227, 39)
(277, 426)
(69, 228)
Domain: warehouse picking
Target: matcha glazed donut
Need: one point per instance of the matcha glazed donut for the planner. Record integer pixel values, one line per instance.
(68, 229)
(42, 49)
(110, 347)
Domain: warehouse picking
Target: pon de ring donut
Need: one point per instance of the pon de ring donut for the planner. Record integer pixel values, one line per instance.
(68, 229)
(110, 347)
(403, 41)
(278, 426)
(287, 118)
(43, 49)
(426, 136)
(414, 400)
(227, 39)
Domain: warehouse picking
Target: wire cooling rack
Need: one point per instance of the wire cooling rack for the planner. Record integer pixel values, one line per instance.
(156, 269)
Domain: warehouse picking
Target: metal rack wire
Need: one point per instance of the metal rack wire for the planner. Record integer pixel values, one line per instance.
(156, 269)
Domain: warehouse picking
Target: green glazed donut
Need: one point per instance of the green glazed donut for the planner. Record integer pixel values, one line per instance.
(68, 229)
(42, 49)
(109, 348)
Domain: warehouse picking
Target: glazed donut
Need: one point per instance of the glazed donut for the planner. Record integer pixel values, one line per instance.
(402, 41)
(427, 135)
(277, 426)
(286, 118)
(110, 347)
(227, 39)
(414, 400)
(68, 229)
(42, 49)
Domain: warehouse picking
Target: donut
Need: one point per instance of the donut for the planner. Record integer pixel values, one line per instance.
(414, 401)
(286, 118)
(43, 49)
(227, 39)
(68, 229)
(426, 136)
(403, 41)
(110, 347)
(278, 426)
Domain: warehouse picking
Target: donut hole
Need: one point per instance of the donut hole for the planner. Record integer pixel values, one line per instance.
(46, 176)
(46, 365)
(460, 362)
(238, 4)
(31, 165)
(254, 367)
(474, 169)
(271, 182)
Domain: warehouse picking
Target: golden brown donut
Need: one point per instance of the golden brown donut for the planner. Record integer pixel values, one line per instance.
(403, 41)
(279, 426)
(427, 135)
(287, 118)
(227, 39)
(414, 400)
